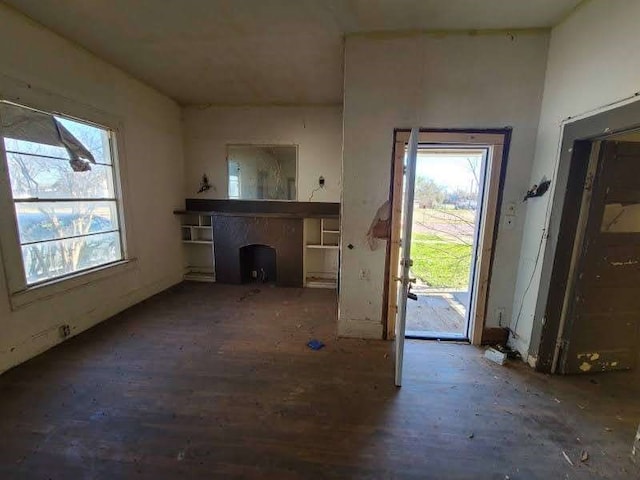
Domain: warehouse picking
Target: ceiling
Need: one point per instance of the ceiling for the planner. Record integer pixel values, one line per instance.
(260, 51)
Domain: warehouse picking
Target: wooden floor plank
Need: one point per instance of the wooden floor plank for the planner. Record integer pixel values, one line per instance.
(214, 381)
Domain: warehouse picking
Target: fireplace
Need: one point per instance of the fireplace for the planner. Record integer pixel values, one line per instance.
(258, 264)
(244, 244)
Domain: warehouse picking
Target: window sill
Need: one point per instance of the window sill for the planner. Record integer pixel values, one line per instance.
(61, 286)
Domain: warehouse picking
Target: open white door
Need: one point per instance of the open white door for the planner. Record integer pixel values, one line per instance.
(405, 249)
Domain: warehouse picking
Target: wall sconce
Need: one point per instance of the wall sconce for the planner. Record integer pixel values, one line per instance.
(204, 184)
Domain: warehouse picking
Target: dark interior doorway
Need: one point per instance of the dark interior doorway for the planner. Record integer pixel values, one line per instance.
(602, 302)
(594, 300)
(258, 264)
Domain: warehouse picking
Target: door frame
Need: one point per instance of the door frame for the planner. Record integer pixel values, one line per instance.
(578, 134)
(497, 140)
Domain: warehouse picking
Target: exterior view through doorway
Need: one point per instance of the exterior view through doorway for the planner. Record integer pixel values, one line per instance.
(447, 208)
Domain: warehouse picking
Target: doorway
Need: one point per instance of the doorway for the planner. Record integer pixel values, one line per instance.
(447, 208)
(599, 307)
(407, 144)
(493, 143)
(558, 335)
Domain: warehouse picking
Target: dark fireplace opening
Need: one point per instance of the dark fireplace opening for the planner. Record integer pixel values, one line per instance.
(258, 264)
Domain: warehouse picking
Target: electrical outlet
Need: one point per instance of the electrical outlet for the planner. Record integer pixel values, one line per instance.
(364, 274)
(500, 316)
(321, 181)
(254, 274)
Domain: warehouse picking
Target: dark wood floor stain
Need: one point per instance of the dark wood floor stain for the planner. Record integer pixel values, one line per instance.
(214, 381)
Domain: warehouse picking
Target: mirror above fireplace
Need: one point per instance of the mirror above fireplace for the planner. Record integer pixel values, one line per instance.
(262, 172)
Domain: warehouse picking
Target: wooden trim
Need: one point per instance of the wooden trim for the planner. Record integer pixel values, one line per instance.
(498, 141)
(393, 259)
(577, 230)
(486, 244)
(301, 209)
(487, 137)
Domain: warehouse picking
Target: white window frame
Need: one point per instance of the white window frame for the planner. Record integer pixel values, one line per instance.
(19, 292)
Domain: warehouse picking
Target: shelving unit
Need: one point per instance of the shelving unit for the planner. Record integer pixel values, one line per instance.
(197, 239)
(322, 252)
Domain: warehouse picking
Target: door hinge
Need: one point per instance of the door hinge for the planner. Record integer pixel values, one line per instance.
(407, 263)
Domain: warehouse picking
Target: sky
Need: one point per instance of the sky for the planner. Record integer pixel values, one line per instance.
(452, 172)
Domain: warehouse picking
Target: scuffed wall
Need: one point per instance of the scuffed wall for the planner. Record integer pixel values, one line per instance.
(37, 64)
(431, 81)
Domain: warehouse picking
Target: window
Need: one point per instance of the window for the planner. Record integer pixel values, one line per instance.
(63, 186)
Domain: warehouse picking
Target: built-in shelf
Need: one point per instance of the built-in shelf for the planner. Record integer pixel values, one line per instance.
(322, 252)
(197, 232)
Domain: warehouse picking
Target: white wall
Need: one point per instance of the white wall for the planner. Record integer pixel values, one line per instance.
(317, 130)
(593, 61)
(38, 67)
(450, 81)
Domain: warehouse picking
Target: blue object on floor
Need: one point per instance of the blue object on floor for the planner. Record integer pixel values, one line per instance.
(315, 344)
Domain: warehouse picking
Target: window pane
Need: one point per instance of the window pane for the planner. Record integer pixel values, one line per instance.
(24, 146)
(94, 139)
(43, 261)
(37, 177)
(39, 221)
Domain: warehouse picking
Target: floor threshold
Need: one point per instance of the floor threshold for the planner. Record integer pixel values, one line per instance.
(444, 337)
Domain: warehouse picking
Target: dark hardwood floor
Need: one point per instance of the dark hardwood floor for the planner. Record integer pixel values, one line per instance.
(214, 381)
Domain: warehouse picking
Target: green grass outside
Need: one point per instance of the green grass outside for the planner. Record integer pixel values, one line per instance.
(440, 262)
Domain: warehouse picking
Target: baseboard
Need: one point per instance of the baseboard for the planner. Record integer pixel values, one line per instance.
(49, 338)
(360, 329)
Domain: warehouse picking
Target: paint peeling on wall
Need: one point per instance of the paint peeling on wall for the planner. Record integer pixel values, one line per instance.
(380, 225)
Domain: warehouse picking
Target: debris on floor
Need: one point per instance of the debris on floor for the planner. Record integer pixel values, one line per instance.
(315, 344)
(495, 356)
(584, 456)
(501, 353)
(566, 457)
(508, 351)
(249, 294)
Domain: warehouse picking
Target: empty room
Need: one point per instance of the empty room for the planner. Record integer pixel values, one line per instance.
(289, 239)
